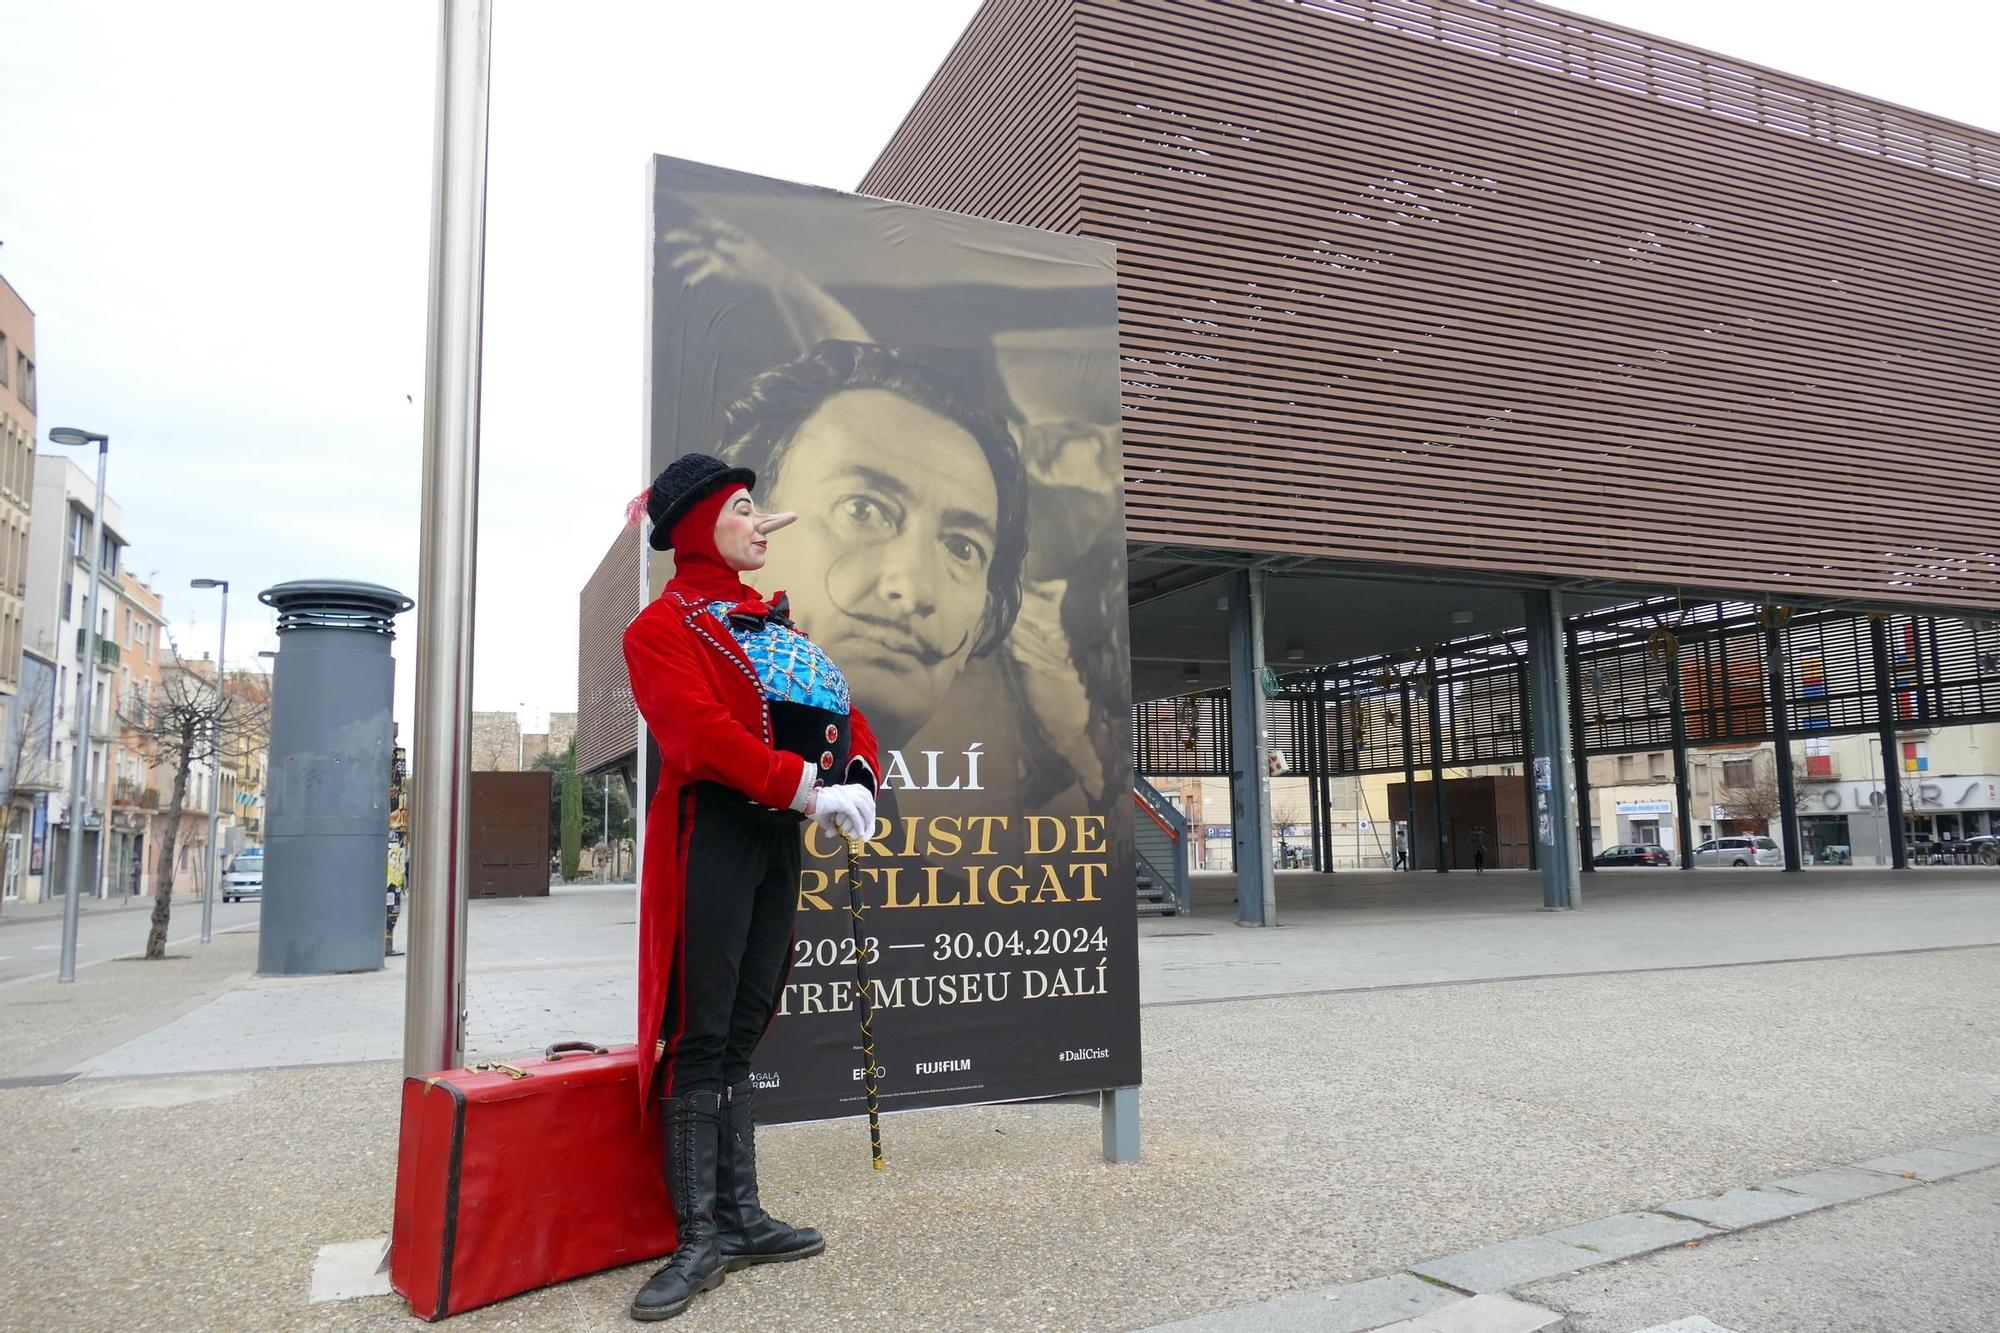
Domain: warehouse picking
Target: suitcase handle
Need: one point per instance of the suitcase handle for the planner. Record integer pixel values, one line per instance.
(558, 1050)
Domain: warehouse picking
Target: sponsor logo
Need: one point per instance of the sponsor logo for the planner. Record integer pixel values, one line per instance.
(765, 1082)
(944, 1067)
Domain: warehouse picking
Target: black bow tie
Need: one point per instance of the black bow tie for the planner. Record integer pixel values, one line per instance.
(754, 612)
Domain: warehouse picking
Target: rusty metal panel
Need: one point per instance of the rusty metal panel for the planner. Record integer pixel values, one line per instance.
(510, 834)
(1499, 288)
(607, 721)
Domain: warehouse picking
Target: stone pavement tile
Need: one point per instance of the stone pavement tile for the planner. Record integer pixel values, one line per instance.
(1842, 1184)
(348, 1270)
(1927, 1163)
(1353, 1308)
(1508, 1264)
(1984, 1145)
(1694, 1323)
(1628, 1234)
(1483, 1314)
(1743, 1208)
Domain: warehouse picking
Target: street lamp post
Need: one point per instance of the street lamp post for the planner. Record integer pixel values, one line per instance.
(211, 882)
(86, 673)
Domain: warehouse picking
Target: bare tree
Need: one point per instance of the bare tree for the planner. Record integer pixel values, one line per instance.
(187, 720)
(1284, 815)
(28, 768)
(27, 764)
(1758, 803)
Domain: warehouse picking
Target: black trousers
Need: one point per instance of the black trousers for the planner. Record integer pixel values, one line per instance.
(736, 930)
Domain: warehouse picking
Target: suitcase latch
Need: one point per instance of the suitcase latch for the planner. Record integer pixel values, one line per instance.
(499, 1067)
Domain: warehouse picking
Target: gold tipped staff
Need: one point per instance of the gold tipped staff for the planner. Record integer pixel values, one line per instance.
(856, 909)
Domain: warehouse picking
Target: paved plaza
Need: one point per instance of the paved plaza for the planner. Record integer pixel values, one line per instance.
(1438, 1096)
(545, 970)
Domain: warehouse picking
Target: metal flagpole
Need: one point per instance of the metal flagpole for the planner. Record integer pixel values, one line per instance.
(433, 1015)
(865, 1002)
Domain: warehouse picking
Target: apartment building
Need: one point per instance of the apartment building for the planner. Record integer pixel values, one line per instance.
(53, 623)
(20, 723)
(139, 790)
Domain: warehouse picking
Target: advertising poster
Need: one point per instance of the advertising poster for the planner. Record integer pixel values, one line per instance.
(937, 397)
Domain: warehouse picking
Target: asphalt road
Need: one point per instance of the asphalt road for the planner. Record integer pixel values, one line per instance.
(31, 948)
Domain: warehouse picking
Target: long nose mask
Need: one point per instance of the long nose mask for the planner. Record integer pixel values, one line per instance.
(766, 524)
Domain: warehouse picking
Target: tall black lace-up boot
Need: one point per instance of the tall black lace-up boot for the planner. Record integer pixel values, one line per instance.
(692, 1126)
(747, 1234)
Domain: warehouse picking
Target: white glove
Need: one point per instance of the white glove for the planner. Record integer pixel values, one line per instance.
(846, 810)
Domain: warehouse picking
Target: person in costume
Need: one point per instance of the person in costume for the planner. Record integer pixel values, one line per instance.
(757, 734)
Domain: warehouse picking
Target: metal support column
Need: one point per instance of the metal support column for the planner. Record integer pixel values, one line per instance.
(440, 783)
(1325, 782)
(1677, 717)
(1892, 758)
(1552, 764)
(1249, 773)
(1440, 849)
(1343, 718)
(1527, 766)
(1118, 1113)
(1779, 679)
(1314, 740)
(1409, 784)
(1580, 763)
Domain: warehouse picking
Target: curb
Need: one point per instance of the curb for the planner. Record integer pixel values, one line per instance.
(1467, 1292)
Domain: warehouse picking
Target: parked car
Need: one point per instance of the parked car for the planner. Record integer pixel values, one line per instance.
(245, 877)
(1746, 851)
(1634, 854)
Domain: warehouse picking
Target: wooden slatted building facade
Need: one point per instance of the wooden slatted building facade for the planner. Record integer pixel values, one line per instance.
(1496, 289)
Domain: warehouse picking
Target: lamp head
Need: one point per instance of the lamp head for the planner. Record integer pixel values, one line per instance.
(71, 435)
(209, 583)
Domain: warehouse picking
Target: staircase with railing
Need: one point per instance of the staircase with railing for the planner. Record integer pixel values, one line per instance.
(1161, 837)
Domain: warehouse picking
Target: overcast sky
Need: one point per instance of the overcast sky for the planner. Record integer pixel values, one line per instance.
(219, 213)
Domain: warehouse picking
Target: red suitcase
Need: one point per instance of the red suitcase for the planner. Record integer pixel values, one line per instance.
(511, 1177)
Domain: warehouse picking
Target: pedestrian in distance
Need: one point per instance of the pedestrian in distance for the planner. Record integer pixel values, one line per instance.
(756, 734)
(1479, 851)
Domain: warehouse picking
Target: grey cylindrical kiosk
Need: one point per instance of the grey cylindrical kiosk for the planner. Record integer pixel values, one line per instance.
(326, 830)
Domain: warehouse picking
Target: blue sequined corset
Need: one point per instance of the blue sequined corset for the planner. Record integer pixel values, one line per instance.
(789, 666)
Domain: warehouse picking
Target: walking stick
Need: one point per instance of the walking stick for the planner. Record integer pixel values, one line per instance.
(856, 909)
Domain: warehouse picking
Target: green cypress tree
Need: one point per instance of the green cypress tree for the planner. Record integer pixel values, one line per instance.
(572, 816)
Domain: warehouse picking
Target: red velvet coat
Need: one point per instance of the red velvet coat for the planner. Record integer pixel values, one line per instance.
(701, 701)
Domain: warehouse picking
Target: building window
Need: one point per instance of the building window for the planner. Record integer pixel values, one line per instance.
(24, 381)
(1739, 772)
(1657, 764)
(1628, 768)
(3, 360)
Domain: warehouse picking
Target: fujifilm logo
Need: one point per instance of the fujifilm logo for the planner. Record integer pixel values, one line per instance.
(944, 1066)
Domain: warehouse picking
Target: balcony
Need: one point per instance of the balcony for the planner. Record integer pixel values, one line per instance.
(132, 793)
(107, 651)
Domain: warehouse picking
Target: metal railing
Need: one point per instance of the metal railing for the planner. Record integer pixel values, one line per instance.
(1161, 842)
